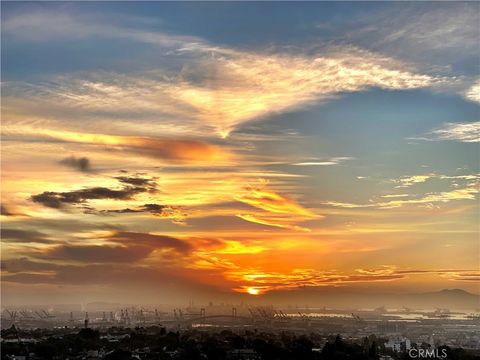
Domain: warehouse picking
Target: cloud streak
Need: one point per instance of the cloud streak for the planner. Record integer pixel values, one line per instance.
(277, 210)
(473, 93)
(299, 278)
(331, 161)
(24, 236)
(171, 150)
(464, 132)
(151, 240)
(467, 132)
(468, 193)
(41, 25)
(272, 202)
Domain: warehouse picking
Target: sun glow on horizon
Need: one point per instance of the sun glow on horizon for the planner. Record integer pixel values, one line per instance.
(253, 291)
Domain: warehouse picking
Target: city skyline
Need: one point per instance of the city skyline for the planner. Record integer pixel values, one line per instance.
(170, 151)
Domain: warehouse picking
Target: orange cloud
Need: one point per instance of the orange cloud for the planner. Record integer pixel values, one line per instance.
(278, 210)
(165, 149)
(273, 202)
(236, 247)
(275, 222)
(297, 278)
(255, 282)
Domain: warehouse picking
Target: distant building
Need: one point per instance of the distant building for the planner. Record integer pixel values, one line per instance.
(398, 344)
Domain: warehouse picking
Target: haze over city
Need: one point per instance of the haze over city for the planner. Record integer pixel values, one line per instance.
(277, 153)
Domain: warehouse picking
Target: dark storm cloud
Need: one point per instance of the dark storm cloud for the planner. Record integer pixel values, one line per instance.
(119, 211)
(155, 209)
(99, 253)
(23, 236)
(4, 211)
(152, 240)
(81, 163)
(137, 181)
(57, 199)
(131, 186)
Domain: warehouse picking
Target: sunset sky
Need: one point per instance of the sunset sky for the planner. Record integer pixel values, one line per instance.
(157, 152)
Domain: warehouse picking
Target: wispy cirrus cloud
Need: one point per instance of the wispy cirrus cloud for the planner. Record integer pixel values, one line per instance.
(442, 40)
(468, 132)
(464, 132)
(410, 180)
(217, 87)
(243, 86)
(468, 190)
(39, 25)
(407, 181)
(324, 162)
(467, 193)
(395, 196)
(473, 92)
(420, 32)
